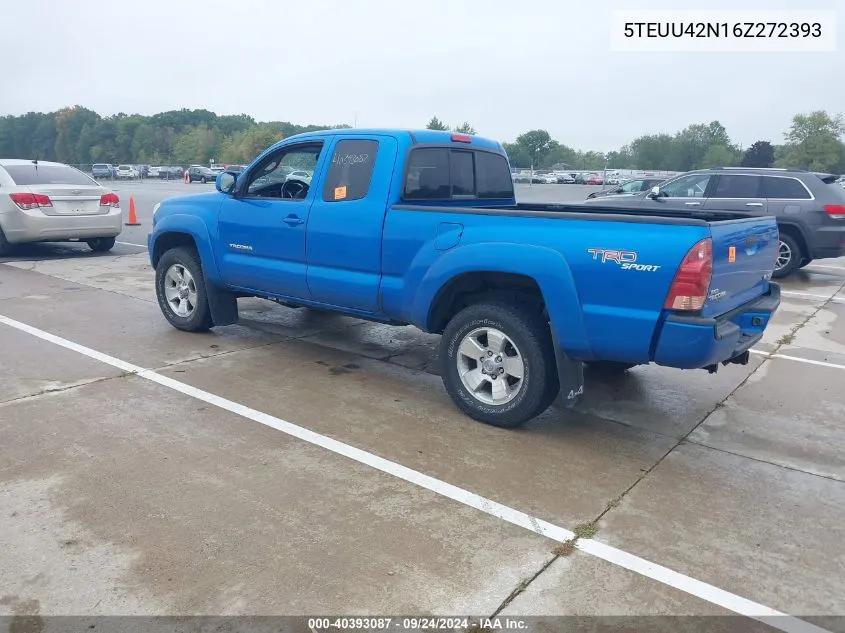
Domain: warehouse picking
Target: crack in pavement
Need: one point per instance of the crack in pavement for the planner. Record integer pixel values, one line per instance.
(523, 585)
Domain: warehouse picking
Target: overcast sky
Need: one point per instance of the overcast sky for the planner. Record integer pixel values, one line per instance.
(503, 65)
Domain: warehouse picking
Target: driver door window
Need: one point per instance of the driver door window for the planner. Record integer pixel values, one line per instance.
(631, 187)
(285, 175)
(687, 187)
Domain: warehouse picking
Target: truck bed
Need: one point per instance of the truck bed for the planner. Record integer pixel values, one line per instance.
(587, 212)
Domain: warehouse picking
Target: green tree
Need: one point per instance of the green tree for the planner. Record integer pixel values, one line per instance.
(654, 151)
(436, 124)
(716, 156)
(465, 128)
(537, 145)
(813, 142)
(760, 154)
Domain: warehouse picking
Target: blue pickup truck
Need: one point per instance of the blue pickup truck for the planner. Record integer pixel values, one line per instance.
(423, 228)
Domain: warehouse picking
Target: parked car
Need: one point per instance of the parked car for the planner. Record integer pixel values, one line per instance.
(126, 172)
(518, 317)
(53, 202)
(201, 174)
(809, 207)
(153, 172)
(302, 176)
(629, 188)
(235, 168)
(565, 179)
(102, 170)
(595, 179)
(548, 179)
(171, 172)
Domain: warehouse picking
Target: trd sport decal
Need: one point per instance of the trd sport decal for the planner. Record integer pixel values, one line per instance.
(627, 260)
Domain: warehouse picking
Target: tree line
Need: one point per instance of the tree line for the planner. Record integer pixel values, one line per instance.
(813, 141)
(77, 135)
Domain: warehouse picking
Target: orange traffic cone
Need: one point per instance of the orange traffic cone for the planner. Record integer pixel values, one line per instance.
(133, 219)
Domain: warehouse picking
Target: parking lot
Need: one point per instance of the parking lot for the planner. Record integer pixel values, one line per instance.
(305, 463)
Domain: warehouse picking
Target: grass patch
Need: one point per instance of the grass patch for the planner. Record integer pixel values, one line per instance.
(786, 339)
(565, 548)
(586, 530)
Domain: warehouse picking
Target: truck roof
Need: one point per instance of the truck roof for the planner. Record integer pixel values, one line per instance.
(413, 136)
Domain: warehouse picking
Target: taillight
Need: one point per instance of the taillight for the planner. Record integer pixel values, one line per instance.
(836, 211)
(27, 201)
(109, 200)
(692, 281)
(461, 138)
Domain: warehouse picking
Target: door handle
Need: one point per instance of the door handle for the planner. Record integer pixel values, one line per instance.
(693, 204)
(293, 220)
(753, 204)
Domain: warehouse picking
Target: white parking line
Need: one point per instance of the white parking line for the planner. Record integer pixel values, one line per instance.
(820, 363)
(824, 266)
(144, 246)
(809, 295)
(669, 577)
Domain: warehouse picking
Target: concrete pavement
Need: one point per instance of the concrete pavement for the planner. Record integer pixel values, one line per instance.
(123, 495)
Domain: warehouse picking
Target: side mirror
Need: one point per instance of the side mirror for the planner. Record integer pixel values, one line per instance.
(225, 181)
(654, 194)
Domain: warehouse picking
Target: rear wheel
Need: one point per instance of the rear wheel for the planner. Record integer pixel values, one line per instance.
(789, 256)
(180, 289)
(497, 363)
(5, 247)
(101, 244)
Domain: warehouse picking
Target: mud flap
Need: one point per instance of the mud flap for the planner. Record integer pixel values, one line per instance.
(223, 305)
(570, 374)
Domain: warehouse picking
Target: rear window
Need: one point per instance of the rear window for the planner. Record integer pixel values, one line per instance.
(737, 186)
(47, 175)
(439, 173)
(492, 177)
(785, 188)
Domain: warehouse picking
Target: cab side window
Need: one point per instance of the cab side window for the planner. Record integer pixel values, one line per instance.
(286, 173)
(692, 186)
(350, 170)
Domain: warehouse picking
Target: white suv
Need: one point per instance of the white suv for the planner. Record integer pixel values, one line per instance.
(126, 171)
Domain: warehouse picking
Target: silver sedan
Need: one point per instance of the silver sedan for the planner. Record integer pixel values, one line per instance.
(51, 202)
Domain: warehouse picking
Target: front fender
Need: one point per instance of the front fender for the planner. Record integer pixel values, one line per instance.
(195, 227)
(546, 266)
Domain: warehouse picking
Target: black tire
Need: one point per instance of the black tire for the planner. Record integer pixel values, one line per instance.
(5, 247)
(203, 180)
(609, 367)
(101, 244)
(531, 335)
(795, 259)
(805, 262)
(200, 319)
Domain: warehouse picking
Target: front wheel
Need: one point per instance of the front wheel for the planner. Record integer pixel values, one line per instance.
(180, 289)
(498, 363)
(101, 244)
(789, 256)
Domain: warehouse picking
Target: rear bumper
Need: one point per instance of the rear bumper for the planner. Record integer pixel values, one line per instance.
(689, 342)
(34, 226)
(828, 242)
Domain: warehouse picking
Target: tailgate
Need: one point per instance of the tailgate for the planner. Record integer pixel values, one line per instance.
(744, 254)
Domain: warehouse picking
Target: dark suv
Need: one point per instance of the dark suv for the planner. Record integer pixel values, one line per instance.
(809, 207)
